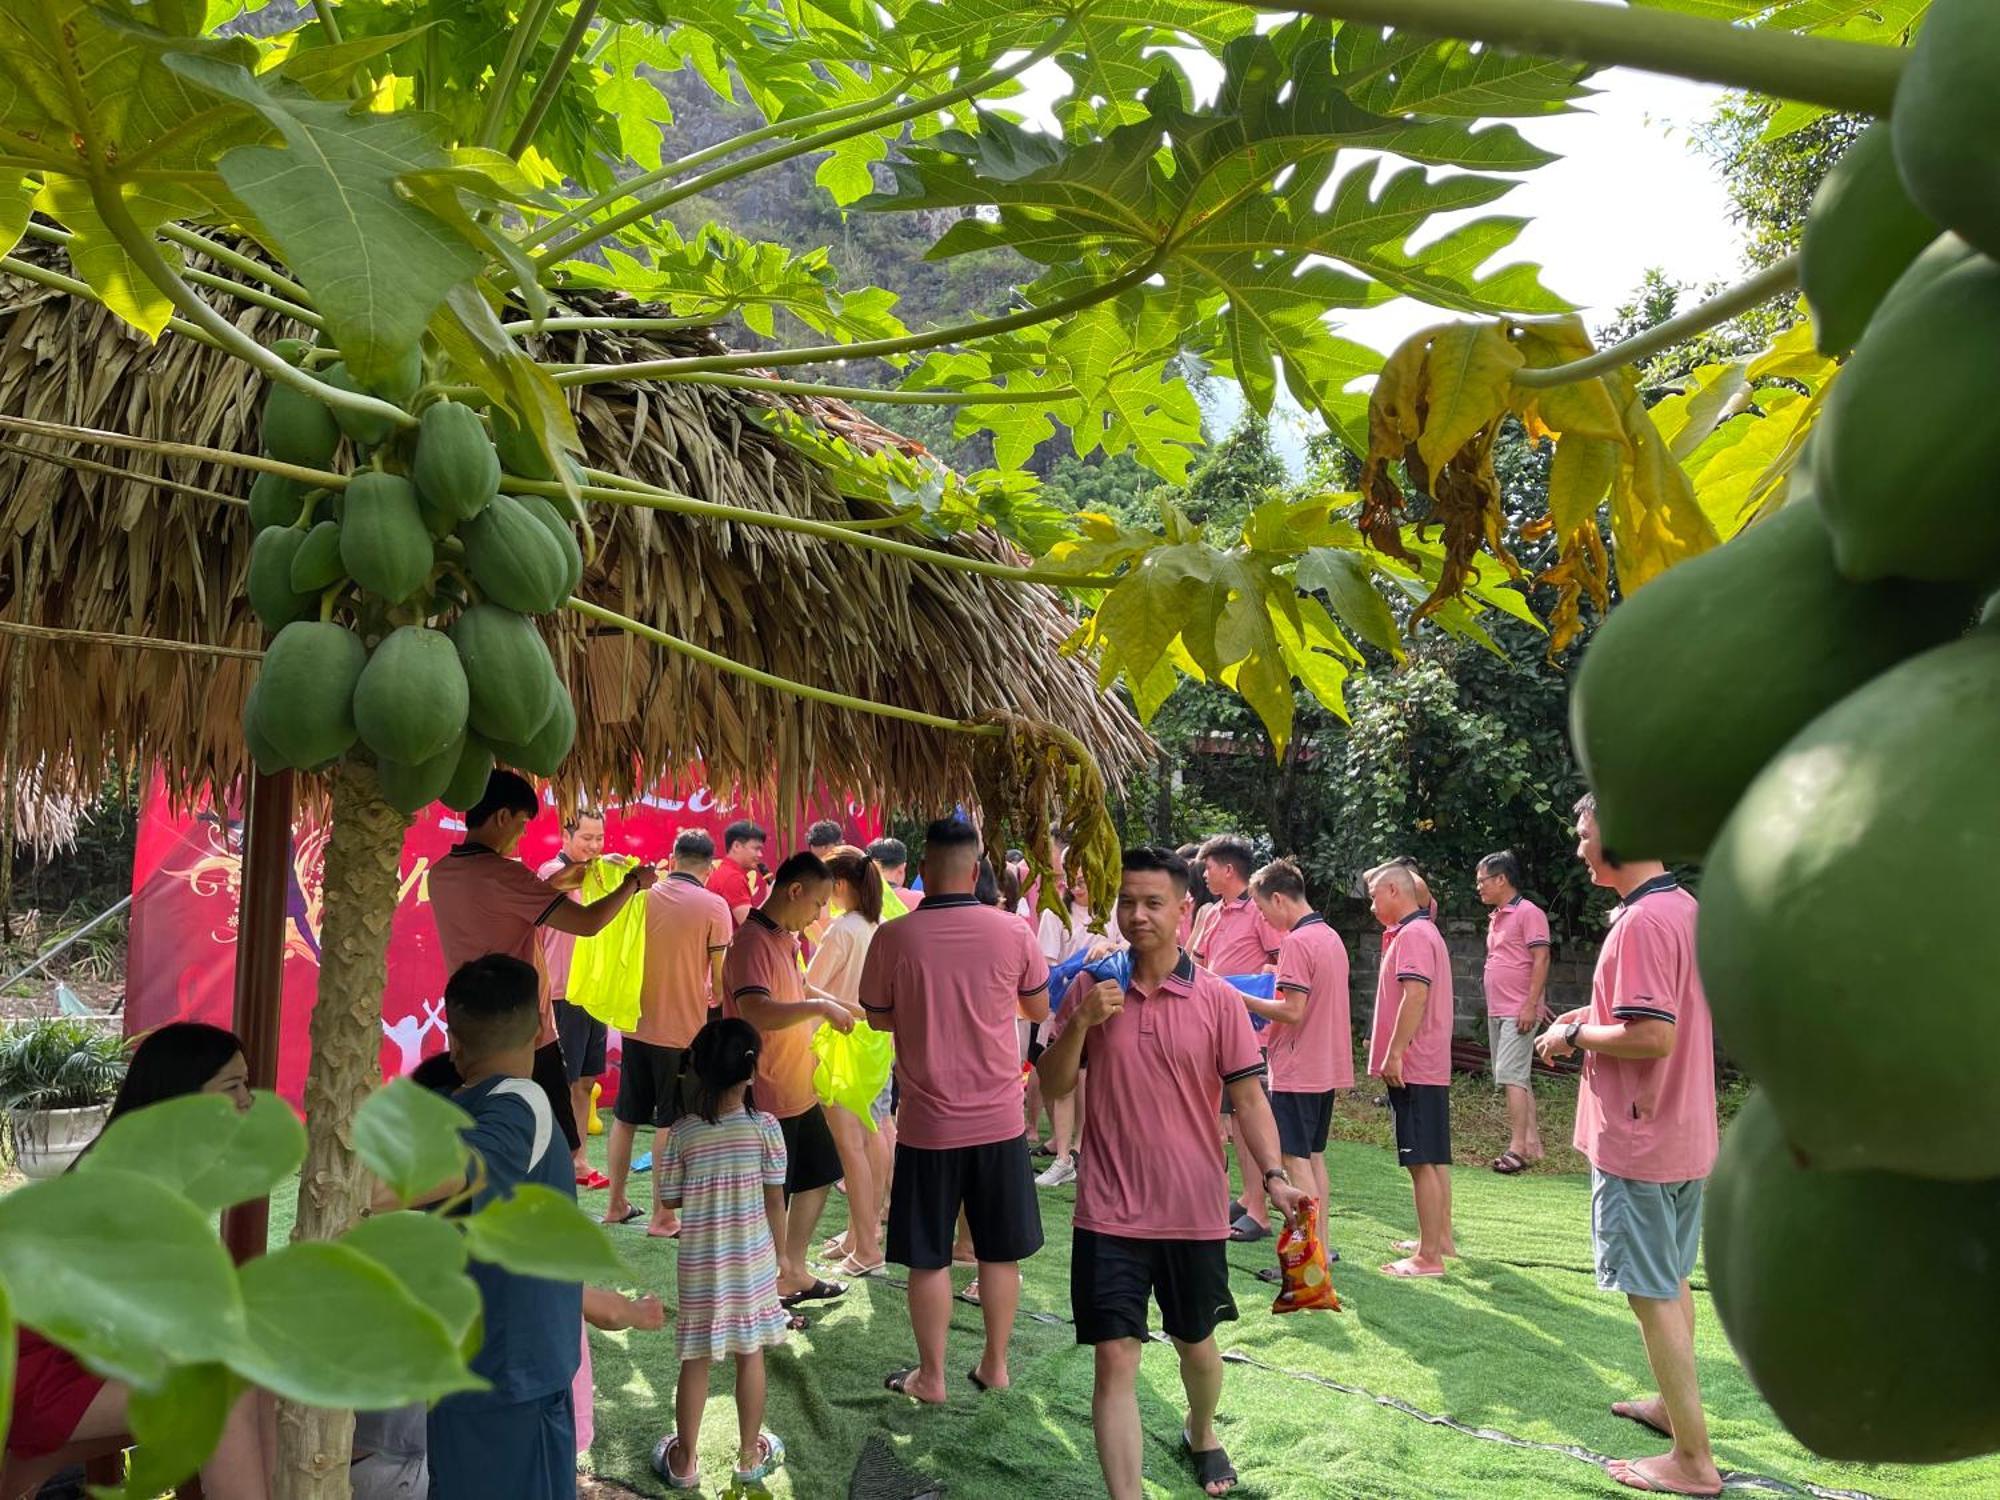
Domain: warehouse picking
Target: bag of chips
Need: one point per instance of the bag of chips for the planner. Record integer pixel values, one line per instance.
(1306, 1283)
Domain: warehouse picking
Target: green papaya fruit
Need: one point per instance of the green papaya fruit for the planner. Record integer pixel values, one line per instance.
(468, 779)
(305, 693)
(410, 702)
(456, 468)
(545, 512)
(411, 789)
(364, 428)
(292, 351)
(1946, 121)
(316, 565)
(275, 501)
(1821, 932)
(405, 378)
(514, 559)
(1699, 678)
(297, 429)
(262, 752)
(544, 751)
(269, 582)
(1861, 236)
(1906, 451)
(520, 453)
(384, 544)
(508, 671)
(1894, 1365)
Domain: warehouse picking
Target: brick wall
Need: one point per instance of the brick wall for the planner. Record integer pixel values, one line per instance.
(1570, 966)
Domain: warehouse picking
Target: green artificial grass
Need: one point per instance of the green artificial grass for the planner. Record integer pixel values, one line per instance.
(1518, 1341)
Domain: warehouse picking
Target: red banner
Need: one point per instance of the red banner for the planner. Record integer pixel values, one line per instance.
(181, 964)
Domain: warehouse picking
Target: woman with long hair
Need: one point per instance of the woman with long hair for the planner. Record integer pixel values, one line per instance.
(62, 1412)
(835, 972)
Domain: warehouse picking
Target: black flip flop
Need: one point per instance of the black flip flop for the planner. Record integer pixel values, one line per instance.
(973, 1376)
(628, 1216)
(1211, 1465)
(819, 1291)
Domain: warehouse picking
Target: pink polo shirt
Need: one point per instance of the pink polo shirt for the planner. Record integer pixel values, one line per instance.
(1232, 937)
(557, 947)
(686, 926)
(1153, 1167)
(1316, 1053)
(485, 902)
(1513, 932)
(950, 979)
(763, 959)
(1414, 949)
(1651, 1119)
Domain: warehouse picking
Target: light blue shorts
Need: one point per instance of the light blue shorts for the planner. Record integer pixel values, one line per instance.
(1644, 1235)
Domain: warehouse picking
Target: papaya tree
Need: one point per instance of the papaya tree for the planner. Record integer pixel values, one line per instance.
(409, 183)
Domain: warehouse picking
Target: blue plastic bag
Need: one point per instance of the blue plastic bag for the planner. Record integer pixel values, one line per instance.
(1118, 966)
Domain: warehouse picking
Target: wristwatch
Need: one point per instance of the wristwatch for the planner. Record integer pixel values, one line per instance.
(1280, 1174)
(1570, 1031)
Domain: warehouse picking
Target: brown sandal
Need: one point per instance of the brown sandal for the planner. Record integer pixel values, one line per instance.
(1507, 1163)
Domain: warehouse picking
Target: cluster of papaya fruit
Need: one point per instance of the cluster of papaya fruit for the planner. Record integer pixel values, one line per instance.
(1809, 712)
(401, 605)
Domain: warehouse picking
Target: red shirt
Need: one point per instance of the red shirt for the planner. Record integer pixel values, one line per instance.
(485, 902)
(950, 978)
(686, 926)
(1153, 1167)
(1513, 933)
(1317, 1052)
(1651, 1119)
(1232, 937)
(763, 959)
(734, 884)
(1414, 949)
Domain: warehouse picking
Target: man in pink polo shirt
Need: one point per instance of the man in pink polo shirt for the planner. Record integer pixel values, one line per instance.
(1230, 936)
(1517, 972)
(1150, 1219)
(687, 932)
(583, 1036)
(764, 984)
(1311, 1042)
(1409, 1049)
(484, 900)
(949, 981)
(735, 876)
(1645, 1117)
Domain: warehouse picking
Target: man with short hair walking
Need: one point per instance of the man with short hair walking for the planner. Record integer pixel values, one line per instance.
(1229, 937)
(1409, 1049)
(687, 933)
(1517, 973)
(949, 982)
(1645, 1117)
(1150, 1205)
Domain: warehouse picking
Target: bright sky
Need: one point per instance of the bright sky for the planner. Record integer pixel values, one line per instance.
(1630, 193)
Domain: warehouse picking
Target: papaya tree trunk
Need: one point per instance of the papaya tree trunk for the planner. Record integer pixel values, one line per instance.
(362, 876)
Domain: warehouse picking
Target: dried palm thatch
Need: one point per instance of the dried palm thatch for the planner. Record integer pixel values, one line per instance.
(85, 550)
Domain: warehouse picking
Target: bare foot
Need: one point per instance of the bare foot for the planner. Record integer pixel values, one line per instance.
(912, 1384)
(990, 1377)
(620, 1212)
(1414, 1266)
(1649, 1412)
(1412, 1247)
(665, 1226)
(1664, 1475)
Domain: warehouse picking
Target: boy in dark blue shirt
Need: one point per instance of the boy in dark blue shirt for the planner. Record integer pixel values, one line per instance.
(519, 1438)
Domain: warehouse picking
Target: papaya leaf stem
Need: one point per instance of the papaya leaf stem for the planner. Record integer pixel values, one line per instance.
(43, 276)
(545, 92)
(500, 92)
(263, 465)
(862, 393)
(115, 471)
(50, 234)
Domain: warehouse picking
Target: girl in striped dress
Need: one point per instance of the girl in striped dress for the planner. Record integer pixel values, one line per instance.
(724, 1169)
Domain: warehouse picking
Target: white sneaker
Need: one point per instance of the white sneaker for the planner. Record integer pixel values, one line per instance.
(1058, 1172)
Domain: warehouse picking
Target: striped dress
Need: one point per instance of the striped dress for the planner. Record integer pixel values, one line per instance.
(727, 1270)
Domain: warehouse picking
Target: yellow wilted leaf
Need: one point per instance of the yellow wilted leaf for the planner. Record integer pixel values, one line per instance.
(1581, 475)
(1394, 407)
(1655, 519)
(1468, 379)
(1546, 342)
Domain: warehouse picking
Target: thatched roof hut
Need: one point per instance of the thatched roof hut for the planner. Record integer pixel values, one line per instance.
(100, 552)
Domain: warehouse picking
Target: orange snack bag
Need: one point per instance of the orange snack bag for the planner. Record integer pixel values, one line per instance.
(1302, 1259)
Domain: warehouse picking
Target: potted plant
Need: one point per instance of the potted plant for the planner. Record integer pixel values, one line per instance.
(58, 1076)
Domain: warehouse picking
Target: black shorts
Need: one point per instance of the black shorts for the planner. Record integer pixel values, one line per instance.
(1264, 1080)
(1304, 1121)
(583, 1037)
(651, 1083)
(1111, 1277)
(811, 1158)
(994, 1184)
(550, 1076)
(1423, 1124)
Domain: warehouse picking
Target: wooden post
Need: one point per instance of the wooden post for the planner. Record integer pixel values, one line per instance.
(260, 966)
